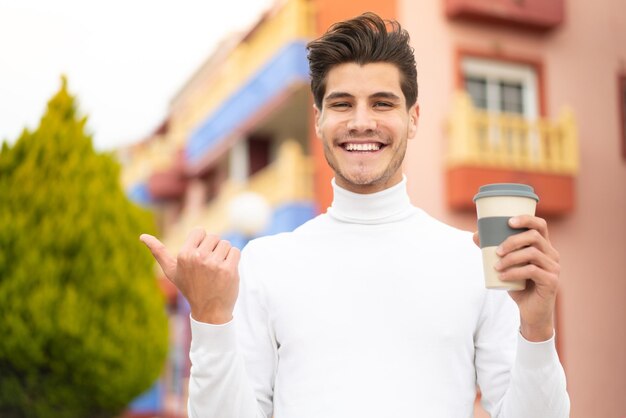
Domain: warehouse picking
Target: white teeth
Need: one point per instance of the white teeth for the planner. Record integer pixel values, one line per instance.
(363, 147)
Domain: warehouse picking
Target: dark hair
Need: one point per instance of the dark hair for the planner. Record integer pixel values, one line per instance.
(364, 39)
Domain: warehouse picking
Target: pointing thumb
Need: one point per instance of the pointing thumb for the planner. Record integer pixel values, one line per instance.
(161, 255)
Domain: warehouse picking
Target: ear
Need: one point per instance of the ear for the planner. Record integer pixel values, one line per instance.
(414, 115)
(317, 114)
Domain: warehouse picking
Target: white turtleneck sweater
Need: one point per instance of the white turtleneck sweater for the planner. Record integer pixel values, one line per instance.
(374, 309)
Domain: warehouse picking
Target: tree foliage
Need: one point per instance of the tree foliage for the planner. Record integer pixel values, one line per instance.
(84, 327)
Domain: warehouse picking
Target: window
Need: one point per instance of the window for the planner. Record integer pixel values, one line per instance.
(248, 156)
(258, 153)
(501, 87)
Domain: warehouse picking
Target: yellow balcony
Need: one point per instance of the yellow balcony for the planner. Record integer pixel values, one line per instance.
(289, 179)
(485, 148)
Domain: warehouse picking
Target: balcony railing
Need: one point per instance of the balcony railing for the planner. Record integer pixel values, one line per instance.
(531, 14)
(486, 147)
(481, 138)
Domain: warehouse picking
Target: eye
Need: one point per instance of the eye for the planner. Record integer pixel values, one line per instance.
(339, 105)
(383, 105)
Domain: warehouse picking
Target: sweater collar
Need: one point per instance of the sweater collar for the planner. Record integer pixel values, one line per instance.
(389, 205)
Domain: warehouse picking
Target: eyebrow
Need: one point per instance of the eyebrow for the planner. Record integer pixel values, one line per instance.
(344, 95)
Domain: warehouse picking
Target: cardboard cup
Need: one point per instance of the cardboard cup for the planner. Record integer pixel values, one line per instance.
(495, 205)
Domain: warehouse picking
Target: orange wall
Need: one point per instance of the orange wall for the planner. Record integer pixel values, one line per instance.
(326, 13)
(580, 62)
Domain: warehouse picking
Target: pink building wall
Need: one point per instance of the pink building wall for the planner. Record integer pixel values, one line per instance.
(581, 61)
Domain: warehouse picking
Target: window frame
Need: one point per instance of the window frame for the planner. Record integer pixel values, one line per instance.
(497, 71)
(536, 64)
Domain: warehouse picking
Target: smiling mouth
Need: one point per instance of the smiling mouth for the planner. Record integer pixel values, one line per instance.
(367, 147)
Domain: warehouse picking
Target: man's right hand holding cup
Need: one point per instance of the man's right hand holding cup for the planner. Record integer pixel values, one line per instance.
(205, 271)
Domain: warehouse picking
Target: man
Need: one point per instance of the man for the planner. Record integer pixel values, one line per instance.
(373, 309)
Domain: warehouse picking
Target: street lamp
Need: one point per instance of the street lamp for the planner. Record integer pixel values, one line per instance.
(249, 213)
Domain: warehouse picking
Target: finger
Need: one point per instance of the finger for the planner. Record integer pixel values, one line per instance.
(531, 237)
(543, 279)
(161, 255)
(530, 222)
(221, 250)
(527, 255)
(233, 256)
(207, 246)
(476, 239)
(195, 237)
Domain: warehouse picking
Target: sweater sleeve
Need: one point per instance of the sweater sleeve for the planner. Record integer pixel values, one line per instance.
(233, 365)
(537, 385)
(517, 378)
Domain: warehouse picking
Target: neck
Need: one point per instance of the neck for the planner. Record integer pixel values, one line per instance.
(389, 205)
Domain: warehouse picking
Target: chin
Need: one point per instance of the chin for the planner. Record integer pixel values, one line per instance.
(359, 178)
(363, 180)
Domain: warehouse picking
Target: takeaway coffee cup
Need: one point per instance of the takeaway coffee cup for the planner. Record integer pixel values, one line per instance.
(495, 205)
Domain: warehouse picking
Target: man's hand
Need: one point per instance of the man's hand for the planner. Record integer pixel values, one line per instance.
(530, 255)
(205, 272)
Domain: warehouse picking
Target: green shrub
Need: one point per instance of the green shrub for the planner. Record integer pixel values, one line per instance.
(83, 327)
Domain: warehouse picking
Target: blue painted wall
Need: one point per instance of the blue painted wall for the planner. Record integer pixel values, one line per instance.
(287, 67)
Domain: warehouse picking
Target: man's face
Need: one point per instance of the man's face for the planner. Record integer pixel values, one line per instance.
(364, 125)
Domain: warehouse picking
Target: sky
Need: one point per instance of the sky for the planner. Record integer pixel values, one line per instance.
(124, 59)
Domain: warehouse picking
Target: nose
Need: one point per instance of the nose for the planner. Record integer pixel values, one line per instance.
(361, 120)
